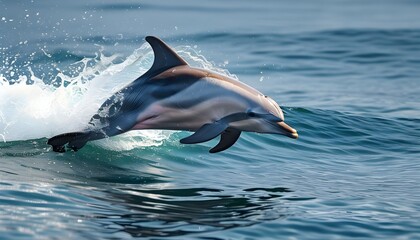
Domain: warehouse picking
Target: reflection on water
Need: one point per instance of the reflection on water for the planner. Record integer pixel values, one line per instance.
(176, 212)
(141, 200)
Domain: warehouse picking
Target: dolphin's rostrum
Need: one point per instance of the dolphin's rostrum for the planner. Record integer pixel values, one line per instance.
(172, 95)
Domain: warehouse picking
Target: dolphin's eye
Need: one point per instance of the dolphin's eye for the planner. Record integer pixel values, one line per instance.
(251, 114)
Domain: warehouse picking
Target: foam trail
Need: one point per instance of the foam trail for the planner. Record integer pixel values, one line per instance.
(39, 110)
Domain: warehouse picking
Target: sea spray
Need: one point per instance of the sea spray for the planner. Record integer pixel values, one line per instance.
(33, 109)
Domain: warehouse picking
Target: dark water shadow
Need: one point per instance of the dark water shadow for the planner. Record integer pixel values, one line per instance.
(180, 212)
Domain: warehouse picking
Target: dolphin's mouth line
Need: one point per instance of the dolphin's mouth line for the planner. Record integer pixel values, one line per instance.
(289, 131)
(285, 129)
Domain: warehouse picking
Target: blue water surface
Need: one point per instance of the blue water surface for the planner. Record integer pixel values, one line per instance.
(346, 74)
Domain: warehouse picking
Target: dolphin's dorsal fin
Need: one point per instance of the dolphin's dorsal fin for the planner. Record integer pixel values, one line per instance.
(165, 57)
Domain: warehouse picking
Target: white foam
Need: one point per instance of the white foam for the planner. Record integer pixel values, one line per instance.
(39, 110)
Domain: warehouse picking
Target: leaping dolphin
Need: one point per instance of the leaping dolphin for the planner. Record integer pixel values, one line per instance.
(174, 96)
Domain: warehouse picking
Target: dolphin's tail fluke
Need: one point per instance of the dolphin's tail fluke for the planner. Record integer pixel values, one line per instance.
(74, 140)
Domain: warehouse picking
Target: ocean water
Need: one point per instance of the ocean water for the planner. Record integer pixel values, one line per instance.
(346, 73)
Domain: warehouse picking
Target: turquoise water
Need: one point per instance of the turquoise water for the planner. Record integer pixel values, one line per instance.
(346, 74)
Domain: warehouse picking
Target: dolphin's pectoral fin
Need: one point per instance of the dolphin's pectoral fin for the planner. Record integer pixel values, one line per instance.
(228, 138)
(205, 133)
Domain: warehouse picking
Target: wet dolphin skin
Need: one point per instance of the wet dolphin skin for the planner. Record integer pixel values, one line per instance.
(174, 96)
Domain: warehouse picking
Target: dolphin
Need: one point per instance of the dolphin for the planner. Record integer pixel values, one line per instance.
(172, 95)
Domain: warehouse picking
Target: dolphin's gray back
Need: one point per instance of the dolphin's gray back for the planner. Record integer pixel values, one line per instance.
(197, 85)
(172, 83)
